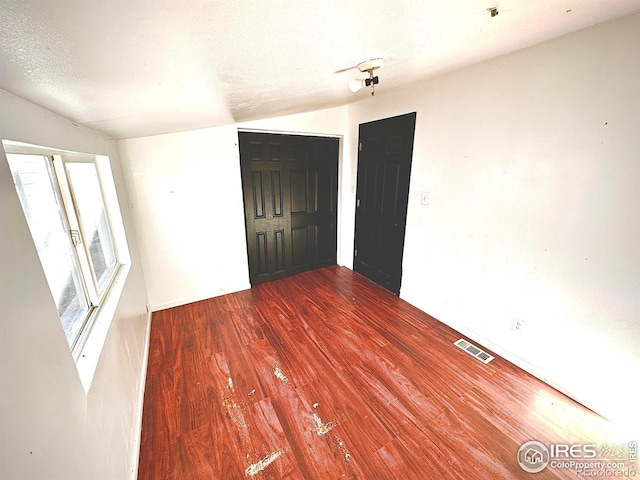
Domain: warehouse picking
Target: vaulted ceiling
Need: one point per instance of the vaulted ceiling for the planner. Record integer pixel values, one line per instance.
(141, 67)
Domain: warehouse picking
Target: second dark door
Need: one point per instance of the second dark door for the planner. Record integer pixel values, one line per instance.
(384, 168)
(290, 189)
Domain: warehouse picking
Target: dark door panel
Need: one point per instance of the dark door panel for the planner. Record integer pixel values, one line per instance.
(384, 169)
(290, 189)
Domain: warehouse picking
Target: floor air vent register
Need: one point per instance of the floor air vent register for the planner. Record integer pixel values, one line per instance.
(481, 355)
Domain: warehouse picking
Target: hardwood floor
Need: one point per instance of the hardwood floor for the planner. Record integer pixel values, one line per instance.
(325, 375)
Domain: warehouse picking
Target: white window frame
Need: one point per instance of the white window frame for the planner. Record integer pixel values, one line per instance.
(88, 343)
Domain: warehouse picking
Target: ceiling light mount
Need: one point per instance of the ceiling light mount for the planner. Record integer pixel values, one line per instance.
(368, 66)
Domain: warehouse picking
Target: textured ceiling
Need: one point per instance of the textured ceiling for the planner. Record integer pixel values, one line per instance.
(132, 68)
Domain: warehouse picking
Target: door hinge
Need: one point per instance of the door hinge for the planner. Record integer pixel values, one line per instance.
(357, 203)
(355, 252)
(360, 147)
(75, 238)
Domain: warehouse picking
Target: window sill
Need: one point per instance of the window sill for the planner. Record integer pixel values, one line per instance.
(88, 354)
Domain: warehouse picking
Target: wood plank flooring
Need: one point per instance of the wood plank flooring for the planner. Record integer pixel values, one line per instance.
(325, 375)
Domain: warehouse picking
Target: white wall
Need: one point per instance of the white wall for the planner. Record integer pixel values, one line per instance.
(50, 428)
(186, 195)
(532, 161)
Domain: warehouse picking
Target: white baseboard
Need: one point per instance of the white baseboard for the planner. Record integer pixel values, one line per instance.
(196, 298)
(138, 424)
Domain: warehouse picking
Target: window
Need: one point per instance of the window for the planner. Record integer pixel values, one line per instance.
(62, 198)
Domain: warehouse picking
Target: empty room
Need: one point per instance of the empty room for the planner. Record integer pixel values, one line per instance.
(319, 240)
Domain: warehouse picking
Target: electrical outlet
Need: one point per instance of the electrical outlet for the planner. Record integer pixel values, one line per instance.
(517, 325)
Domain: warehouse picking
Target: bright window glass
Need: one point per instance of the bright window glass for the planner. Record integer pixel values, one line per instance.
(85, 185)
(42, 205)
(62, 198)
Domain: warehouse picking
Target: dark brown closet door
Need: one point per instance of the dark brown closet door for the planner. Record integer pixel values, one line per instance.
(290, 190)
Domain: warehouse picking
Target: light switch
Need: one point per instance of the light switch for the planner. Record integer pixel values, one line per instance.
(424, 198)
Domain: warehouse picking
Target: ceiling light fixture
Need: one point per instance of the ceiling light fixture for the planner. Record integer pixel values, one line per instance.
(368, 66)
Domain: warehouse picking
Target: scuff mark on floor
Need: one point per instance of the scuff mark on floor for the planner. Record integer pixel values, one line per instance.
(342, 455)
(277, 371)
(321, 427)
(257, 467)
(234, 410)
(343, 448)
(336, 445)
